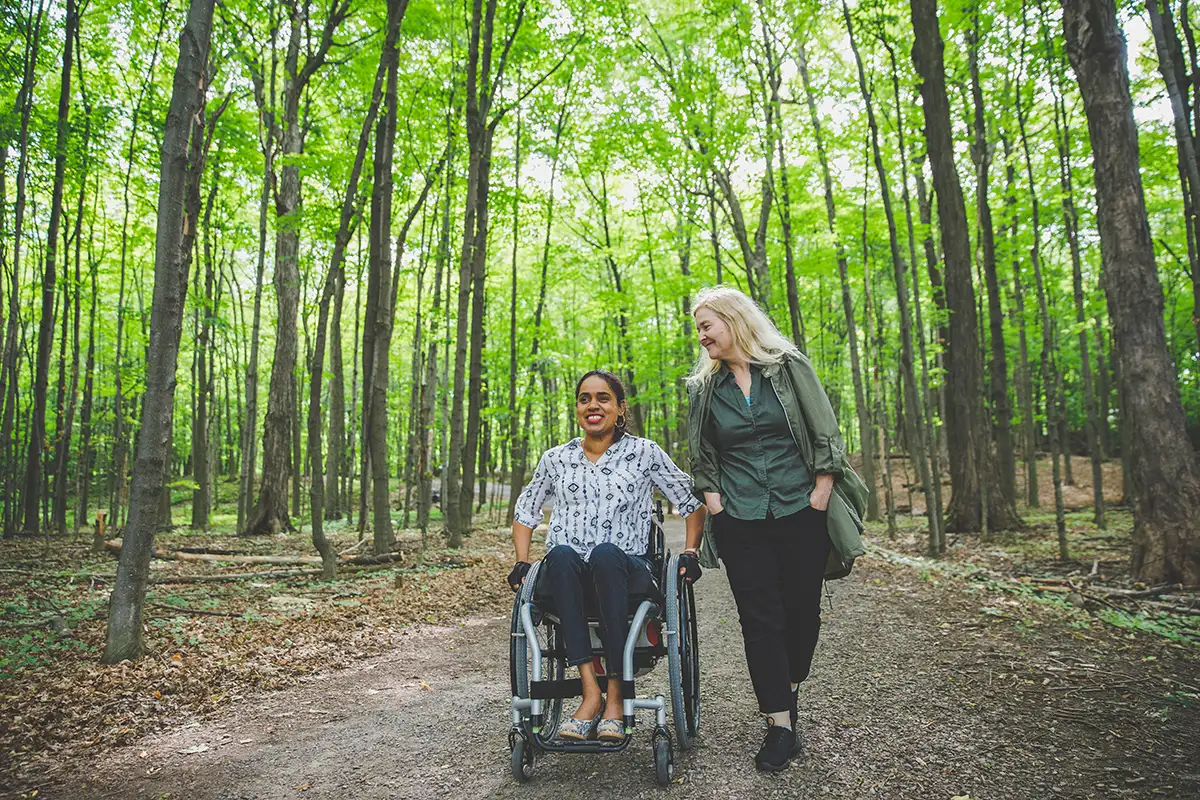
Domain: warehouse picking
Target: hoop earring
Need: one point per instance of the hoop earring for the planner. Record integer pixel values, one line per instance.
(620, 420)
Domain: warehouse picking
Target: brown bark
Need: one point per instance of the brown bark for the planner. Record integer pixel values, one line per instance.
(970, 457)
(270, 514)
(981, 153)
(1050, 374)
(37, 427)
(335, 278)
(860, 401)
(1165, 477)
(183, 151)
(911, 416)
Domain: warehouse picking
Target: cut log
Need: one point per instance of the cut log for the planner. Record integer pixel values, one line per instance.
(114, 546)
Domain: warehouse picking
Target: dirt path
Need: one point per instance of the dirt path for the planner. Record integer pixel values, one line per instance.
(915, 694)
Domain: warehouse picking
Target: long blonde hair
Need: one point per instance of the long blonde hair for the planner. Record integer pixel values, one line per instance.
(753, 332)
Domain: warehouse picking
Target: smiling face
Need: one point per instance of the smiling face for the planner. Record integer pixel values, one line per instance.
(714, 335)
(597, 407)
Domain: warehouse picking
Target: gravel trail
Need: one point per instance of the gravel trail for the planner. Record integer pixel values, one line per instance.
(913, 695)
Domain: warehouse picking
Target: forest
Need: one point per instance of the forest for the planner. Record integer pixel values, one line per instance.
(310, 267)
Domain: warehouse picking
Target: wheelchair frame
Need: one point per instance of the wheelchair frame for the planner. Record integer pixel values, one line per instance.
(537, 701)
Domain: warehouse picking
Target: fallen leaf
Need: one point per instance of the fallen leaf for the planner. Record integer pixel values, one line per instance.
(425, 686)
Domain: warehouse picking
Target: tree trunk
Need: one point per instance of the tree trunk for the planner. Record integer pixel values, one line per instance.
(1071, 222)
(1050, 380)
(913, 430)
(178, 211)
(520, 456)
(981, 153)
(1165, 477)
(378, 325)
(270, 515)
(1024, 375)
(37, 430)
(970, 457)
(774, 131)
(335, 278)
(202, 493)
(336, 466)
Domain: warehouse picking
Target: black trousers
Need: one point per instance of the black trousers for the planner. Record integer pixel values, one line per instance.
(775, 569)
(609, 577)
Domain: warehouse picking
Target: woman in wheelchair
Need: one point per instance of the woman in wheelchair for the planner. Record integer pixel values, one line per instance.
(600, 486)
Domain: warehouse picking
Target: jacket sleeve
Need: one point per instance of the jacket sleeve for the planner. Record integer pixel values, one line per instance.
(829, 449)
(705, 470)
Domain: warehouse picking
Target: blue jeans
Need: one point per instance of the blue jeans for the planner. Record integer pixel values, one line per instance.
(613, 575)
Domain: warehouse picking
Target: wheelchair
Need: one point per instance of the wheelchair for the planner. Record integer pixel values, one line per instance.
(662, 623)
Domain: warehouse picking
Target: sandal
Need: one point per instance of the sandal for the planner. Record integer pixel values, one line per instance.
(577, 729)
(610, 730)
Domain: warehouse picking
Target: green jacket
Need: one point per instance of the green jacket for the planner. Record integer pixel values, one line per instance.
(815, 430)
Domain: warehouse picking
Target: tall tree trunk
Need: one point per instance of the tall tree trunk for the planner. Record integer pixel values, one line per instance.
(970, 457)
(520, 456)
(1071, 222)
(268, 139)
(63, 434)
(774, 133)
(1050, 379)
(913, 430)
(336, 466)
(37, 430)
(1165, 476)
(178, 210)
(333, 280)
(270, 515)
(201, 472)
(981, 153)
(378, 319)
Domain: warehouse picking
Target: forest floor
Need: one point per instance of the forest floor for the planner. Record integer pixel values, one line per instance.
(993, 673)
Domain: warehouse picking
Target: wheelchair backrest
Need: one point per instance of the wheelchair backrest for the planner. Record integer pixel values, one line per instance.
(656, 552)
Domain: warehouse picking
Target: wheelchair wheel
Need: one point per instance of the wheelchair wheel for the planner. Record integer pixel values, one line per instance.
(522, 759)
(521, 666)
(683, 657)
(664, 759)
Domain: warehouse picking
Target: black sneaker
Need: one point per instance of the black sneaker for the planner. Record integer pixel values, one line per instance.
(778, 750)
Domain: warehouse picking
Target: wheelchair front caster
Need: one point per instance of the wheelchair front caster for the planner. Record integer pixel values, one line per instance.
(664, 758)
(522, 759)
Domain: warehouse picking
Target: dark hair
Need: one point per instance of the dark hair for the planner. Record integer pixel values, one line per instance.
(618, 390)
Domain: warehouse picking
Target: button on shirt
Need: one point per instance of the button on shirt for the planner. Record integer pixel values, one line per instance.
(762, 470)
(609, 501)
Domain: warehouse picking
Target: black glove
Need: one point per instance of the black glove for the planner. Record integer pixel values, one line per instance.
(689, 565)
(517, 576)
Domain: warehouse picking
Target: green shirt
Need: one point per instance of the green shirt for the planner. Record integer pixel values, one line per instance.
(762, 470)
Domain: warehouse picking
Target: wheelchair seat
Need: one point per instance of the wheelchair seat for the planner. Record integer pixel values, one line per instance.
(643, 585)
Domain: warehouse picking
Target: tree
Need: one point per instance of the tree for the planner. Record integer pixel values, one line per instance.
(971, 459)
(183, 151)
(1165, 476)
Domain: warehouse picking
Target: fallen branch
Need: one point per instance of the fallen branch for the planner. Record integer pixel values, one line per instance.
(1135, 594)
(114, 546)
(358, 565)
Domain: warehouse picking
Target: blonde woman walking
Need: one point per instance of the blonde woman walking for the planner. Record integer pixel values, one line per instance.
(770, 463)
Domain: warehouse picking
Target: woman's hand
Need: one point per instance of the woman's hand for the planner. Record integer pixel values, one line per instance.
(517, 577)
(819, 499)
(713, 501)
(689, 567)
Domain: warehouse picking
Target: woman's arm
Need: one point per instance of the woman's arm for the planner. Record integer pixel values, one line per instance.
(695, 530)
(522, 535)
(528, 510)
(828, 446)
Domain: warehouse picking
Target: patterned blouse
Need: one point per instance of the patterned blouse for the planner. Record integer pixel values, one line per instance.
(609, 501)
